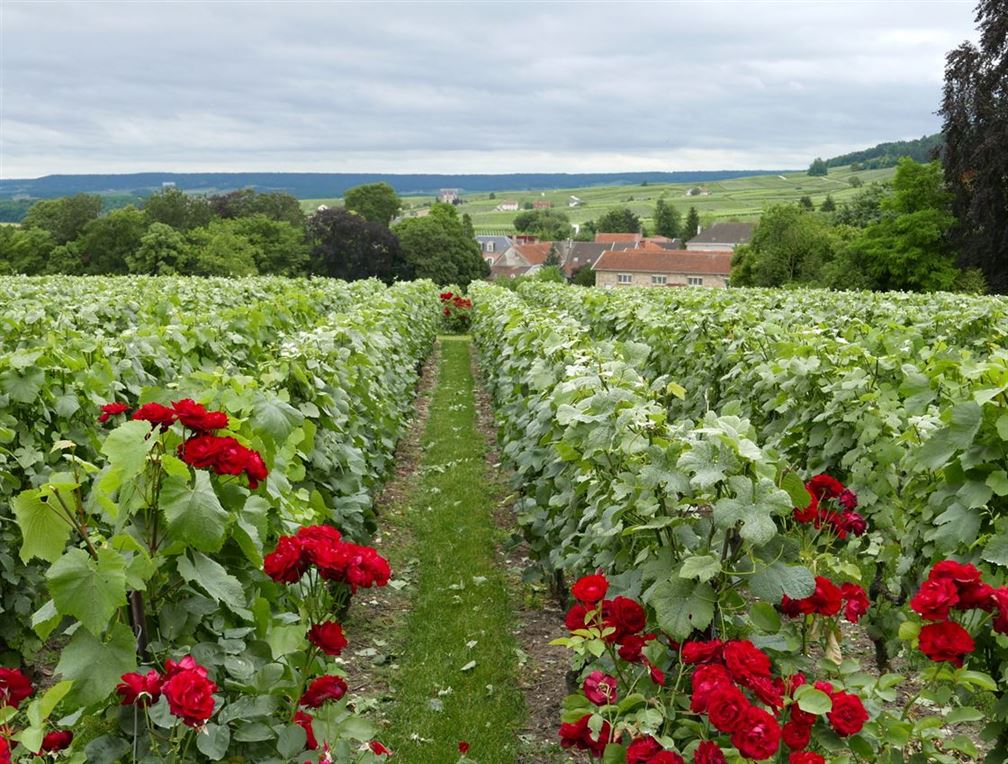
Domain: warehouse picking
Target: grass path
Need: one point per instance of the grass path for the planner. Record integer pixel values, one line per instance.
(457, 674)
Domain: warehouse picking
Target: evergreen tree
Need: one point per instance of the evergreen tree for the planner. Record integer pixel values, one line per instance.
(692, 225)
(667, 220)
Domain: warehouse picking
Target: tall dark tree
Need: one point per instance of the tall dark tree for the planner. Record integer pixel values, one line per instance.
(692, 225)
(818, 167)
(346, 246)
(667, 220)
(246, 202)
(975, 114)
(177, 209)
(377, 202)
(619, 220)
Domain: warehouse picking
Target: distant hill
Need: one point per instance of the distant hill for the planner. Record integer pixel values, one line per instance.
(888, 154)
(326, 185)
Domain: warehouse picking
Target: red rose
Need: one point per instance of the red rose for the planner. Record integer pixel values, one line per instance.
(190, 696)
(857, 602)
(446, 295)
(848, 499)
(999, 600)
(14, 687)
(848, 714)
(745, 660)
(576, 618)
(328, 637)
(55, 741)
(361, 566)
(824, 487)
(5, 753)
(806, 757)
(728, 708)
(642, 750)
(447, 311)
(110, 410)
(378, 748)
(667, 757)
(810, 513)
(973, 592)
(231, 457)
(286, 563)
(935, 598)
(625, 615)
(140, 689)
(304, 720)
(631, 646)
(657, 675)
(701, 652)
(590, 589)
(156, 414)
(802, 718)
(796, 736)
(826, 599)
(770, 691)
(578, 735)
(946, 641)
(463, 747)
(323, 689)
(188, 663)
(758, 737)
(706, 680)
(255, 468)
(202, 451)
(195, 416)
(708, 752)
(600, 688)
(852, 522)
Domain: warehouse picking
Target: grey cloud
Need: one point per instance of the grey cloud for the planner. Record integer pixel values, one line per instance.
(110, 86)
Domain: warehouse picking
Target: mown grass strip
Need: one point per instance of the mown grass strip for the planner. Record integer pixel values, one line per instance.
(457, 674)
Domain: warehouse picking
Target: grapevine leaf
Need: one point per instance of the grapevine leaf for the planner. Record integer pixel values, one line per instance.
(195, 515)
(96, 666)
(89, 590)
(683, 606)
(44, 532)
(774, 581)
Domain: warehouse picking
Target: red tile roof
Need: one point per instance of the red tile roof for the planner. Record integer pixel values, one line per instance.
(610, 238)
(658, 260)
(534, 253)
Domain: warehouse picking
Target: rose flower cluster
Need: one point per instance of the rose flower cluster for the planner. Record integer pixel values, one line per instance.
(322, 547)
(184, 684)
(202, 448)
(955, 586)
(827, 600)
(15, 688)
(450, 300)
(725, 670)
(832, 506)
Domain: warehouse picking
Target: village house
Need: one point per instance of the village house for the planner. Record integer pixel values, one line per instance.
(542, 204)
(721, 237)
(655, 266)
(449, 196)
(509, 205)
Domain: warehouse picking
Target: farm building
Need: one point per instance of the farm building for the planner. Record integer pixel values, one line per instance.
(721, 237)
(656, 266)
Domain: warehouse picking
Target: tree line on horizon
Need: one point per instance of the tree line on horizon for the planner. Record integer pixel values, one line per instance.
(243, 233)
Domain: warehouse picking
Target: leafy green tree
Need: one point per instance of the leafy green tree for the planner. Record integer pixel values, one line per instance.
(467, 226)
(909, 247)
(549, 225)
(551, 273)
(280, 247)
(667, 220)
(105, 244)
(492, 195)
(806, 203)
(864, 208)
(437, 248)
(64, 218)
(619, 220)
(346, 245)
(975, 124)
(855, 182)
(552, 258)
(584, 276)
(376, 202)
(218, 249)
(163, 251)
(828, 204)
(789, 246)
(174, 208)
(818, 167)
(25, 250)
(692, 225)
(246, 202)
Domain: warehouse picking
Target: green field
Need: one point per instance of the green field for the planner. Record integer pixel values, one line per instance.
(737, 199)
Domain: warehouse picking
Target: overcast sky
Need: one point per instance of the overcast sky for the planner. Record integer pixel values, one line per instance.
(463, 87)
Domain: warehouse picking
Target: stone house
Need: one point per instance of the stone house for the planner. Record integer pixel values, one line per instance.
(655, 266)
(721, 237)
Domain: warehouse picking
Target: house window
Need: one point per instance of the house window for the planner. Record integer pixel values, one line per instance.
(659, 279)
(694, 280)
(624, 278)
(489, 246)
(489, 261)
